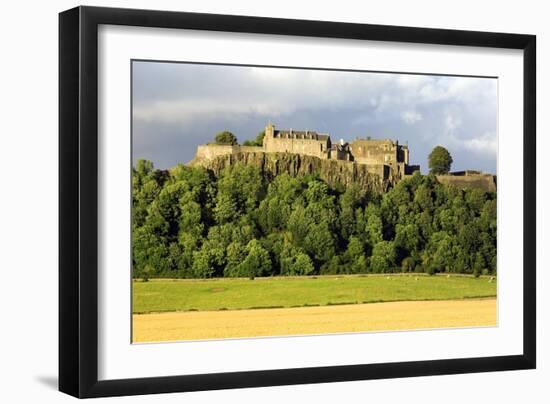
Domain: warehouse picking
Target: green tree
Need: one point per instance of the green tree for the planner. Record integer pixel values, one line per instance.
(259, 141)
(240, 190)
(355, 248)
(203, 264)
(236, 254)
(209, 261)
(226, 208)
(188, 244)
(359, 265)
(226, 137)
(408, 264)
(303, 265)
(275, 209)
(299, 225)
(191, 218)
(355, 259)
(319, 243)
(407, 239)
(383, 257)
(334, 266)
(167, 204)
(488, 216)
(374, 225)
(440, 252)
(351, 200)
(146, 185)
(150, 253)
(260, 138)
(143, 167)
(190, 222)
(424, 198)
(440, 160)
(295, 262)
(475, 200)
(257, 262)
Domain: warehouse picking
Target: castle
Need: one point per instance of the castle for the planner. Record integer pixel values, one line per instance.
(384, 157)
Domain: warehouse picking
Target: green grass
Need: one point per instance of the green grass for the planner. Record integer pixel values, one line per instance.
(231, 294)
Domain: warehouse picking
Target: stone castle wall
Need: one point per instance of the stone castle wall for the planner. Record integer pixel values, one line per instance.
(372, 151)
(338, 154)
(485, 182)
(368, 151)
(308, 147)
(211, 151)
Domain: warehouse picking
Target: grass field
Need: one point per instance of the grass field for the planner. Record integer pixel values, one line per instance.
(158, 296)
(177, 326)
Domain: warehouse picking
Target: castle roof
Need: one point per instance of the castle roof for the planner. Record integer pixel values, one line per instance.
(374, 141)
(301, 134)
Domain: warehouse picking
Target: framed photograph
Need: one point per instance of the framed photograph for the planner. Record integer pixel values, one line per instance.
(250, 201)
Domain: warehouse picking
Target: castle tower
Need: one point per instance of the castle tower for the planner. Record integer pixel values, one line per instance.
(270, 130)
(269, 134)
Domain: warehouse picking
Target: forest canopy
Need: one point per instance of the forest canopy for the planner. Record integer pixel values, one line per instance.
(189, 223)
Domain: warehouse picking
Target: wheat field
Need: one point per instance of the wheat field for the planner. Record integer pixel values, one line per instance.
(405, 315)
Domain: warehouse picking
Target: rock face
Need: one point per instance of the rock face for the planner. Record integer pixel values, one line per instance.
(336, 173)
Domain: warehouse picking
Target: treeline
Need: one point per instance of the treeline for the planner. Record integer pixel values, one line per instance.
(187, 223)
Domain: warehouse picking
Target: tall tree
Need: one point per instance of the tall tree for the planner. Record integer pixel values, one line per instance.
(440, 160)
(259, 141)
(226, 137)
(257, 262)
(260, 138)
(383, 257)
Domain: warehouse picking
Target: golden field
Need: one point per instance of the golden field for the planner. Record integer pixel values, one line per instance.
(403, 315)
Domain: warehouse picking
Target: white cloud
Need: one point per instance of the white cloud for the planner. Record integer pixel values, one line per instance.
(460, 138)
(411, 117)
(187, 111)
(485, 144)
(277, 91)
(452, 123)
(456, 112)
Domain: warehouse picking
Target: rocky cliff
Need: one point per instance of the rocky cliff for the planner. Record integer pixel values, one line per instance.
(336, 173)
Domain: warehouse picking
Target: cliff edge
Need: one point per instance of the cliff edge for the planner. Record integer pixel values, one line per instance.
(335, 172)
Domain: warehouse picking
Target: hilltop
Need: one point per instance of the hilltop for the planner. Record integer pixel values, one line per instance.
(375, 164)
(338, 174)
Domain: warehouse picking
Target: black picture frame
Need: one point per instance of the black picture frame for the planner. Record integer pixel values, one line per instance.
(78, 201)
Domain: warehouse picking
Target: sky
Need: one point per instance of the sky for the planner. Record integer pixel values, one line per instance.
(178, 106)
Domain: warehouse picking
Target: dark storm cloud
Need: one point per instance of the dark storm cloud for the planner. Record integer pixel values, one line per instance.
(177, 106)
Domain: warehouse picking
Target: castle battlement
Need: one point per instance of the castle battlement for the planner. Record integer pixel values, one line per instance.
(374, 153)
